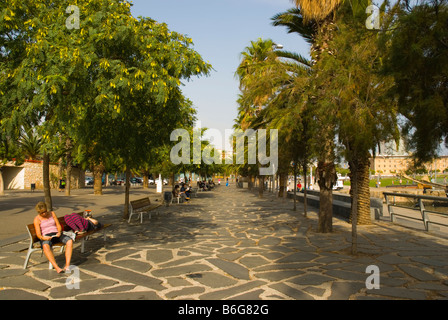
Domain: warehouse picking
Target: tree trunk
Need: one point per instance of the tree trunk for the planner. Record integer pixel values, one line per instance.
(145, 179)
(260, 186)
(363, 192)
(326, 172)
(295, 186)
(172, 177)
(282, 189)
(2, 185)
(305, 170)
(46, 181)
(126, 195)
(360, 193)
(68, 177)
(98, 170)
(354, 204)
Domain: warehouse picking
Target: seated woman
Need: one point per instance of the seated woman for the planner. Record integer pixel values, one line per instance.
(49, 231)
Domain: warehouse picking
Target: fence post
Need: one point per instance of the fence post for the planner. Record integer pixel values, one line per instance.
(423, 212)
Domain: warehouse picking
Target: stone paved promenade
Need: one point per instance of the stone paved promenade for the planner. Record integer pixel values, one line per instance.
(229, 244)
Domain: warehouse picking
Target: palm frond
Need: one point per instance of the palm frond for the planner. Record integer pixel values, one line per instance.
(317, 9)
(294, 23)
(294, 56)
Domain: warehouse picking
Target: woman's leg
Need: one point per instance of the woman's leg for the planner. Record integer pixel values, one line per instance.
(68, 253)
(50, 256)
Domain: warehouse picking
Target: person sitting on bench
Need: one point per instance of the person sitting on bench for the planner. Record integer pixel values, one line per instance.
(49, 231)
(185, 191)
(81, 225)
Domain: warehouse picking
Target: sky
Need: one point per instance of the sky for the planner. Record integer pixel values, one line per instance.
(220, 30)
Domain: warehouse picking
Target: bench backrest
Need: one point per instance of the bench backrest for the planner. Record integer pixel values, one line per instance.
(140, 203)
(32, 229)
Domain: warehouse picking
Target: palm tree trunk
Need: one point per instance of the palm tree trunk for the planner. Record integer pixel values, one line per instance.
(46, 181)
(360, 193)
(364, 192)
(326, 172)
(354, 204)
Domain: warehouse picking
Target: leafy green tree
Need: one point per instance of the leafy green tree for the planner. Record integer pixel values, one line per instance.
(415, 53)
(113, 85)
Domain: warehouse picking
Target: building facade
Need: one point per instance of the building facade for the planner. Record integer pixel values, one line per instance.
(31, 172)
(390, 165)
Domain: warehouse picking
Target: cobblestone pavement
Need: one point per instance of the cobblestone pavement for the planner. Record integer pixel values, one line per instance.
(230, 244)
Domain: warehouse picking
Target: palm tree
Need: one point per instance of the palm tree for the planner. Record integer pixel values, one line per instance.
(356, 142)
(320, 13)
(272, 84)
(30, 142)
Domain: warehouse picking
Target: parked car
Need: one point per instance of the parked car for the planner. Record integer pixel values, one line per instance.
(89, 181)
(151, 181)
(136, 180)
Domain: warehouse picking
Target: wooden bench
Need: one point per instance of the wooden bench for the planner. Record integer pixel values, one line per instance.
(35, 242)
(141, 206)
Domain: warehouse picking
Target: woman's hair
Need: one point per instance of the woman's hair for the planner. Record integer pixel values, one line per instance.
(41, 207)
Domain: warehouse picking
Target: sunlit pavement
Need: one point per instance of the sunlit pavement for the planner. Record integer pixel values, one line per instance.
(230, 244)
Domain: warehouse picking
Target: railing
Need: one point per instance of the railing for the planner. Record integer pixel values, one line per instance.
(419, 206)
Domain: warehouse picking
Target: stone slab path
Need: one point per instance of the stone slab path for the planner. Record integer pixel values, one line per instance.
(230, 244)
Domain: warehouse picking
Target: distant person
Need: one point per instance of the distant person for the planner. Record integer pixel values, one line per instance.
(61, 185)
(185, 191)
(176, 191)
(49, 231)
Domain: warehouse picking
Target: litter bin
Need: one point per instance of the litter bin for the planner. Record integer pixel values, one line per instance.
(167, 196)
(33, 187)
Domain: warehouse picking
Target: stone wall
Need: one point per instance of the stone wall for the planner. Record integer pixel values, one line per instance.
(33, 174)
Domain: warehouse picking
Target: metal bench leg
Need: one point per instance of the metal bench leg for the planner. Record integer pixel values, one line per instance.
(82, 244)
(28, 255)
(131, 212)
